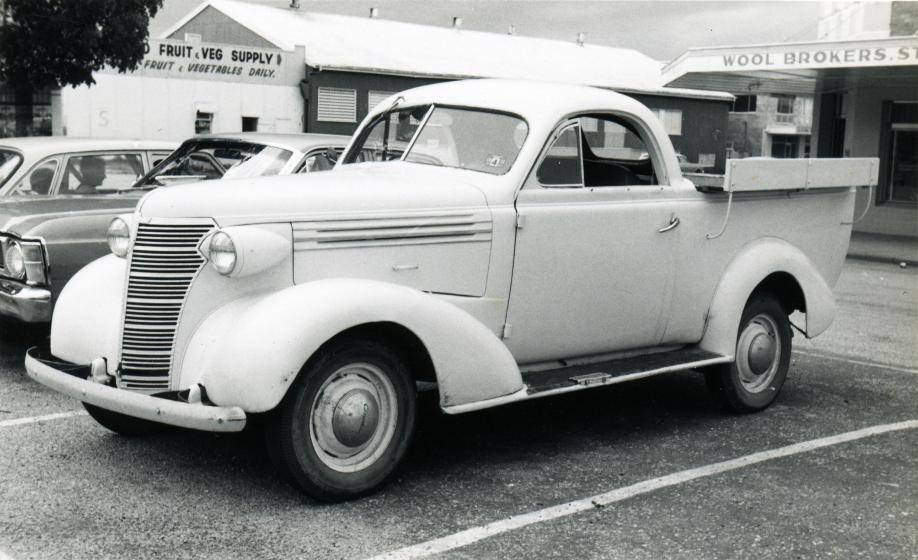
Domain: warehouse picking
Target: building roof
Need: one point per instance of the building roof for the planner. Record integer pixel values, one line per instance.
(375, 45)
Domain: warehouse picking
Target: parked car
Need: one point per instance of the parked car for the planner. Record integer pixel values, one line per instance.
(519, 247)
(245, 154)
(53, 180)
(687, 166)
(49, 232)
(54, 165)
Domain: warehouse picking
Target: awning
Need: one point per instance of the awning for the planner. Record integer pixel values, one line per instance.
(791, 67)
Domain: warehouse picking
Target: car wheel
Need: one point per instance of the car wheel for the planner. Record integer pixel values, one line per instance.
(763, 349)
(121, 423)
(346, 422)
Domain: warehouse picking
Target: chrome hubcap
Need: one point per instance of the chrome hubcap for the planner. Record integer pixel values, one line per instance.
(761, 353)
(353, 417)
(758, 353)
(356, 417)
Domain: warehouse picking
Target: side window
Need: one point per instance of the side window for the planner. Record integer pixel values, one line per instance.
(614, 154)
(318, 160)
(561, 166)
(201, 165)
(38, 181)
(157, 157)
(100, 173)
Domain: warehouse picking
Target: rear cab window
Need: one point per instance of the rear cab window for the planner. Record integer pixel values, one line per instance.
(598, 151)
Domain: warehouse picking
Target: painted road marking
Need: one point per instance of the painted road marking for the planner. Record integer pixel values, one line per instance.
(4, 556)
(475, 534)
(34, 419)
(856, 362)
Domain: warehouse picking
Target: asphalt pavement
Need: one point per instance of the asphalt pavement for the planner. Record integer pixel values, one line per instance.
(651, 469)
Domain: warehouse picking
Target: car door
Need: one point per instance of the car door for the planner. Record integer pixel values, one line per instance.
(593, 267)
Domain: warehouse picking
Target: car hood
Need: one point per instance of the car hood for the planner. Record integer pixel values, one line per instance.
(354, 189)
(20, 215)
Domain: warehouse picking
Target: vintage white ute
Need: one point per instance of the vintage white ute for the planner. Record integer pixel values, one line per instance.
(505, 240)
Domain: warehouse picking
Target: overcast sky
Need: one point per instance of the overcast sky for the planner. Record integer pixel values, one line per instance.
(660, 29)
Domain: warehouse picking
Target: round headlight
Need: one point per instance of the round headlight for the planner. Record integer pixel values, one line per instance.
(223, 253)
(15, 261)
(119, 237)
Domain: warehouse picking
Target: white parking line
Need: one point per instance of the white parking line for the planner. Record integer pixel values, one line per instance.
(475, 534)
(855, 362)
(34, 419)
(4, 556)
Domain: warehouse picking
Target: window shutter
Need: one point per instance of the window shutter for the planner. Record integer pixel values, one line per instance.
(671, 120)
(337, 105)
(374, 98)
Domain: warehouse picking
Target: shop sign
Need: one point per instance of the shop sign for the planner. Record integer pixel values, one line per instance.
(208, 61)
(892, 51)
(814, 57)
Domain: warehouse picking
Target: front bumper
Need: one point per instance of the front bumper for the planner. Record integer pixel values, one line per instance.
(70, 380)
(32, 305)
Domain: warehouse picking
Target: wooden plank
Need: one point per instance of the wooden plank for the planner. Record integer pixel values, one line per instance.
(769, 174)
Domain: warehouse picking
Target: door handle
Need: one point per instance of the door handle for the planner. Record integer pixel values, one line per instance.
(673, 222)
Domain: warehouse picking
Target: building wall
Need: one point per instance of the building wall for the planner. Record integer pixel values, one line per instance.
(25, 112)
(853, 20)
(214, 27)
(127, 106)
(863, 139)
(745, 131)
(363, 83)
(904, 19)
(704, 122)
(750, 134)
(704, 127)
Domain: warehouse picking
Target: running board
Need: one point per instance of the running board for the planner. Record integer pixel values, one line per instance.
(575, 378)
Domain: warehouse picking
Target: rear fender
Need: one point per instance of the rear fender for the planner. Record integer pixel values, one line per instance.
(748, 269)
(249, 351)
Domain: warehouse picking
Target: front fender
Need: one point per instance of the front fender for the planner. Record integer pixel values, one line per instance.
(86, 323)
(249, 351)
(748, 269)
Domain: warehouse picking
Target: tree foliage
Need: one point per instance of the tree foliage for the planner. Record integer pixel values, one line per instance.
(53, 43)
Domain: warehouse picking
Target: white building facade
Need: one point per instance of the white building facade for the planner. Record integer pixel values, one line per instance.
(185, 87)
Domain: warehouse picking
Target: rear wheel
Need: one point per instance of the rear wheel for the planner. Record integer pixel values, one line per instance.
(121, 423)
(346, 422)
(763, 348)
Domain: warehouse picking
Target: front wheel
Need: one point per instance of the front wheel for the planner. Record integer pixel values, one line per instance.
(763, 349)
(346, 422)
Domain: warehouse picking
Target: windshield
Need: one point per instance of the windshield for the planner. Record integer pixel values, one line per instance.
(9, 163)
(201, 160)
(471, 139)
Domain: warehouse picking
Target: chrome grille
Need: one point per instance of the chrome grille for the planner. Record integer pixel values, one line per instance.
(164, 260)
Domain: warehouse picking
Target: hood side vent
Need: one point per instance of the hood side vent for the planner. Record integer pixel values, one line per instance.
(387, 231)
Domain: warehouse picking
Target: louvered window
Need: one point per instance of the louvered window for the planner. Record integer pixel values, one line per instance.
(337, 105)
(671, 119)
(374, 98)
